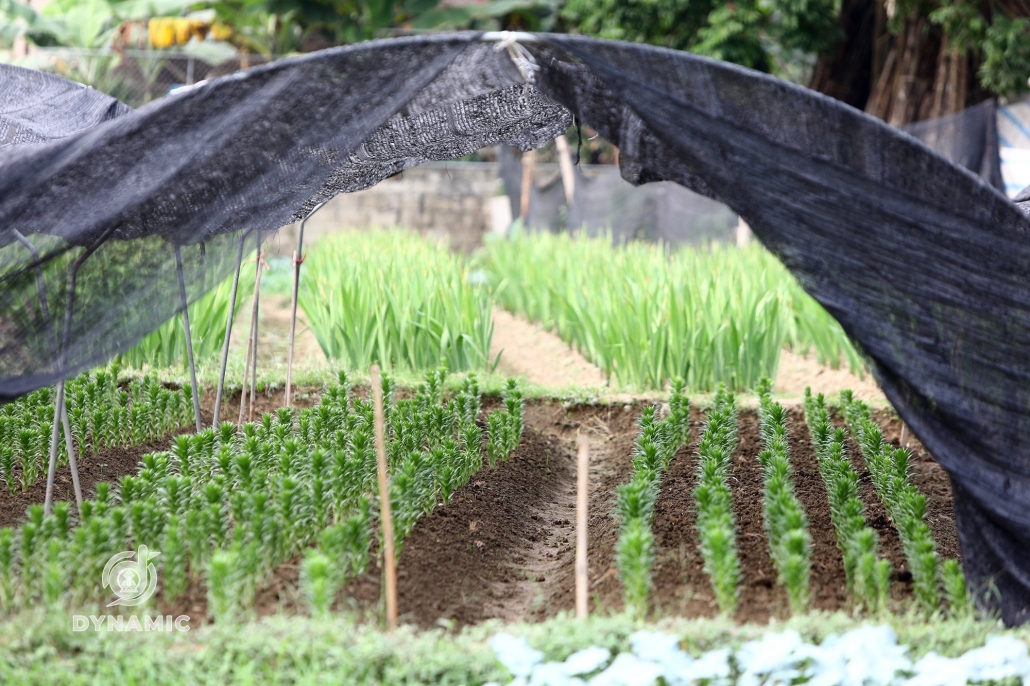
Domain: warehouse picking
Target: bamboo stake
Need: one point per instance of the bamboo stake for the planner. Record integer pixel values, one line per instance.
(389, 562)
(904, 435)
(528, 162)
(568, 175)
(582, 486)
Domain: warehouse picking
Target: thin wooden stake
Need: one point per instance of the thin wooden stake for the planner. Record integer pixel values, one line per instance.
(568, 174)
(904, 435)
(582, 486)
(528, 163)
(389, 562)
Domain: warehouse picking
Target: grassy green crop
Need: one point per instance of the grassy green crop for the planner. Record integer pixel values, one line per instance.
(226, 506)
(905, 505)
(657, 443)
(867, 576)
(395, 299)
(101, 415)
(785, 520)
(166, 346)
(716, 525)
(646, 314)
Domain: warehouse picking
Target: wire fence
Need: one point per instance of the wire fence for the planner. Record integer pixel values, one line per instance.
(137, 77)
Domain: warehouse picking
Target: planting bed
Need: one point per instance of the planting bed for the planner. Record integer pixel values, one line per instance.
(503, 546)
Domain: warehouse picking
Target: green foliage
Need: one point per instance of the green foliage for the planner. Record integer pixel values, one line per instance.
(790, 542)
(905, 505)
(396, 299)
(716, 526)
(101, 416)
(226, 507)
(753, 34)
(166, 345)
(646, 314)
(867, 576)
(1006, 55)
(316, 583)
(655, 446)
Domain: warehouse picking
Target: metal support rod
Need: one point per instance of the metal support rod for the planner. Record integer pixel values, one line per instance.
(228, 331)
(59, 409)
(72, 463)
(60, 405)
(250, 334)
(189, 338)
(48, 502)
(298, 259)
(257, 313)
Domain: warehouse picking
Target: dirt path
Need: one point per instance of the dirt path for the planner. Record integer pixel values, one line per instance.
(541, 356)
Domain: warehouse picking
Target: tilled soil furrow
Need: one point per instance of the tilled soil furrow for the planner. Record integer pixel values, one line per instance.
(760, 596)
(829, 590)
(480, 556)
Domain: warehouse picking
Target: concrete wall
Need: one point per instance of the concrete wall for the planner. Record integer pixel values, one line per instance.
(451, 201)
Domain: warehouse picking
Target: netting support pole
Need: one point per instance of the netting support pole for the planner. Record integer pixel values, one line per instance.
(60, 411)
(228, 331)
(251, 335)
(298, 259)
(189, 338)
(48, 502)
(60, 407)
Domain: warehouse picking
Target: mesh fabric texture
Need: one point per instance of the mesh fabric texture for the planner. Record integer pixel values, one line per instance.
(924, 264)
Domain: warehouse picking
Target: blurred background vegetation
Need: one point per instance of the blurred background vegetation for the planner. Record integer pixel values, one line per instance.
(901, 60)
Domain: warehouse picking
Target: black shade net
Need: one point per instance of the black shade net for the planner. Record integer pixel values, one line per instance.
(924, 264)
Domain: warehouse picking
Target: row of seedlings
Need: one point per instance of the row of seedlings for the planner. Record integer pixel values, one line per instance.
(100, 414)
(716, 525)
(226, 506)
(867, 576)
(906, 507)
(656, 444)
(786, 523)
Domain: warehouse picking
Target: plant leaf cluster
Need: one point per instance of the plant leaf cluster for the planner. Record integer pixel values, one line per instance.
(790, 541)
(716, 524)
(227, 505)
(905, 505)
(867, 575)
(656, 444)
(646, 314)
(101, 415)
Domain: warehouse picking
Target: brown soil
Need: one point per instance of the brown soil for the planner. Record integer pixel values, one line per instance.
(108, 466)
(503, 547)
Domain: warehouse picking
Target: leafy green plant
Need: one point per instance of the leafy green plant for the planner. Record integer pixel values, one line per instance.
(316, 582)
(716, 525)
(646, 314)
(905, 505)
(655, 446)
(785, 520)
(867, 576)
(396, 299)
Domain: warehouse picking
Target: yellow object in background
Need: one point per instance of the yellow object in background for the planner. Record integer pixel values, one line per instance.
(220, 31)
(166, 32)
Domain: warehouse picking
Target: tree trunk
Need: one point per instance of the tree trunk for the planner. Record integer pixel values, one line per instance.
(901, 78)
(845, 72)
